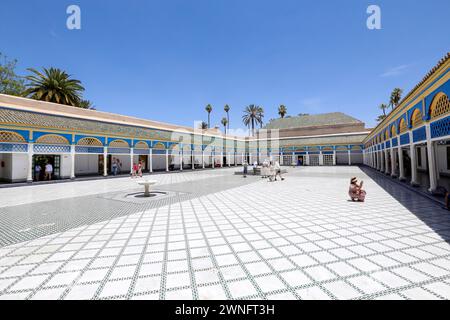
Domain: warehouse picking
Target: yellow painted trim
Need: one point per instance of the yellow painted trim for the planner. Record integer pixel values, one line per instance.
(413, 100)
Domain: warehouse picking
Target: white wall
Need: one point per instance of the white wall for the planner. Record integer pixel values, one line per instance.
(423, 158)
(441, 157)
(239, 158)
(357, 158)
(342, 158)
(86, 164)
(66, 164)
(159, 162)
(19, 166)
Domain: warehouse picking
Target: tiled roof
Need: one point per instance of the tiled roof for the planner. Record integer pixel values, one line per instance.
(427, 76)
(304, 121)
(43, 121)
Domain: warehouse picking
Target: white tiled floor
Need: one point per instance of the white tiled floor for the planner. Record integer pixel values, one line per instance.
(296, 239)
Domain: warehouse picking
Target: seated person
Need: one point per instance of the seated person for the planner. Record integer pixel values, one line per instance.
(355, 191)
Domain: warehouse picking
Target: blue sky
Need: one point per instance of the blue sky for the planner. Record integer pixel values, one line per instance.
(166, 60)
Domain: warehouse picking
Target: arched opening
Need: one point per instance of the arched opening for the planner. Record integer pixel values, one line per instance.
(119, 144)
(11, 137)
(393, 131)
(159, 157)
(89, 142)
(13, 147)
(402, 126)
(141, 145)
(440, 106)
(89, 158)
(52, 139)
(416, 118)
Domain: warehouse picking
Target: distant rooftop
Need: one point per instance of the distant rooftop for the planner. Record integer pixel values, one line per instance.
(304, 121)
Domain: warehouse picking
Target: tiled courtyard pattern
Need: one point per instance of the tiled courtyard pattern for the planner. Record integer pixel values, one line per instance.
(221, 236)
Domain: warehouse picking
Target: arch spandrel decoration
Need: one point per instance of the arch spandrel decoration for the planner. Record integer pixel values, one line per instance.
(141, 145)
(440, 106)
(119, 144)
(393, 131)
(159, 146)
(416, 119)
(386, 135)
(11, 137)
(89, 142)
(52, 139)
(402, 126)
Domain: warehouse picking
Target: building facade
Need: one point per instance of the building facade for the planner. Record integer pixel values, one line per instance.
(413, 142)
(79, 142)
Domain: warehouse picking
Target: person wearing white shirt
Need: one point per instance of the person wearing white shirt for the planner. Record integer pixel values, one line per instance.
(48, 171)
(278, 171)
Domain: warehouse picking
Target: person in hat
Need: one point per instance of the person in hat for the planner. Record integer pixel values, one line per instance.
(356, 191)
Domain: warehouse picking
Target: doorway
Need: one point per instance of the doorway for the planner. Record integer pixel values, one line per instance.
(42, 161)
(143, 159)
(300, 161)
(101, 161)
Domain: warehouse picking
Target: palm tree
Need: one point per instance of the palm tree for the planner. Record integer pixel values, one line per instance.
(396, 96)
(383, 107)
(282, 110)
(251, 116)
(224, 123)
(209, 110)
(260, 116)
(54, 85)
(86, 104)
(381, 118)
(203, 125)
(227, 110)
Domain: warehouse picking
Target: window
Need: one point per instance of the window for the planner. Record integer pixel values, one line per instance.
(419, 157)
(448, 158)
(314, 160)
(328, 159)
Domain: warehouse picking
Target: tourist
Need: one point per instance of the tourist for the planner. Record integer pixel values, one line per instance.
(140, 169)
(355, 191)
(48, 171)
(265, 169)
(134, 170)
(119, 166)
(272, 172)
(277, 169)
(114, 167)
(245, 169)
(37, 171)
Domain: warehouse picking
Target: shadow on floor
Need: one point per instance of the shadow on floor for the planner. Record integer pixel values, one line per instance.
(424, 206)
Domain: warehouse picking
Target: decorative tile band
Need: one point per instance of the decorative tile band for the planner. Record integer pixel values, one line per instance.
(440, 128)
(141, 151)
(404, 139)
(13, 147)
(48, 148)
(94, 150)
(419, 134)
(394, 142)
(119, 150)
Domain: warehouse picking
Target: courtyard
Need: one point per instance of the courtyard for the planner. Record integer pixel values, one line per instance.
(211, 234)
